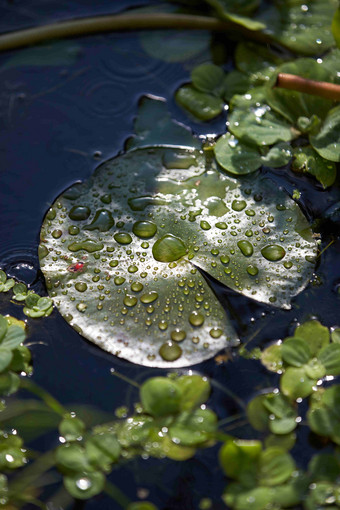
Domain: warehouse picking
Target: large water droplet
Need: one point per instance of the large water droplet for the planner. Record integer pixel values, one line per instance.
(168, 249)
(252, 270)
(102, 221)
(205, 225)
(246, 248)
(79, 212)
(150, 297)
(196, 319)
(144, 229)
(273, 252)
(130, 300)
(238, 205)
(178, 335)
(170, 351)
(81, 286)
(123, 238)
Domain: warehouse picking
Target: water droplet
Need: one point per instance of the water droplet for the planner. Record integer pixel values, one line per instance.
(79, 212)
(137, 287)
(250, 212)
(42, 251)
(130, 300)
(81, 307)
(215, 332)
(73, 230)
(113, 263)
(178, 335)
(205, 225)
(249, 233)
(103, 221)
(257, 197)
(252, 270)
(287, 264)
(163, 325)
(144, 229)
(57, 233)
(87, 245)
(246, 248)
(224, 259)
(81, 286)
(83, 484)
(222, 225)
(273, 252)
(238, 205)
(51, 214)
(215, 251)
(132, 269)
(145, 245)
(123, 238)
(170, 351)
(168, 249)
(119, 280)
(196, 319)
(150, 297)
(106, 199)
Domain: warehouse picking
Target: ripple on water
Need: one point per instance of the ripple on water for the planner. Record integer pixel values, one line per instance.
(21, 264)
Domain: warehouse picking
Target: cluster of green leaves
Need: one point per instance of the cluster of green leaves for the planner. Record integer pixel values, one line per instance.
(34, 305)
(266, 476)
(268, 125)
(171, 421)
(303, 359)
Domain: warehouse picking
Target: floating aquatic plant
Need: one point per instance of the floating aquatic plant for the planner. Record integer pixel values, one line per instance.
(122, 253)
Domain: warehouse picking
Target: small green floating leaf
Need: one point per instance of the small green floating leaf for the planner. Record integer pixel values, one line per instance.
(275, 467)
(200, 104)
(85, 485)
(327, 141)
(235, 156)
(295, 383)
(160, 396)
(142, 505)
(295, 352)
(314, 333)
(208, 78)
(324, 415)
(306, 159)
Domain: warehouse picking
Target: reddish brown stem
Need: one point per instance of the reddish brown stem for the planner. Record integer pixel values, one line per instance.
(316, 88)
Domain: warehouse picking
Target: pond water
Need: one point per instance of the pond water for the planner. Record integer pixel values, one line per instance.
(63, 111)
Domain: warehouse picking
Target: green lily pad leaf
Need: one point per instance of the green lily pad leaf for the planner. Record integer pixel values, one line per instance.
(314, 333)
(56, 53)
(235, 82)
(253, 121)
(304, 29)
(3, 276)
(336, 27)
(12, 455)
(14, 337)
(315, 369)
(320, 496)
(324, 467)
(9, 383)
(335, 335)
(324, 415)
(329, 356)
(291, 104)
(135, 290)
(193, 428)
(327, 141)
(6, 356)
(278, 155)
(201, 105)
(154, 126)
(271, 358)
(306, 159)
(85, 485)
(3, 327)
(237, 456)
(71, 428)
(160, 396)
(256, 61)
(175, 451)
(195, 390)
(236, 157)
(272, 412)
(175, 46)
(235, 12)
(295, 351)
(283, 441)
(275, 467)
(291, 493)
(295, 383)
(9, 284)
(71, 458)
(251, 499)
(208, 78)
(102, 449)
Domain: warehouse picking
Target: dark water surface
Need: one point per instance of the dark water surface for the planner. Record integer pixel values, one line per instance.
(58, 121)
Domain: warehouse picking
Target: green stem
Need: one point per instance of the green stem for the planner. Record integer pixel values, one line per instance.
(115, 493)
(31, 473)
(120, 22)
(50, 401)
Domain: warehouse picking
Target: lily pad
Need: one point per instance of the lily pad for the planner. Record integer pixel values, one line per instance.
(134, 288)
(327, 141)
(303, 27)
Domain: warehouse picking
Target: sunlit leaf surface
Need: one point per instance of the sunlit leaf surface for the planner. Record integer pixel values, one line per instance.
(120, 253)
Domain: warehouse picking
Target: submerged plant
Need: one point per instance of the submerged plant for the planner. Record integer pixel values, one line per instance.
(122, 253)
